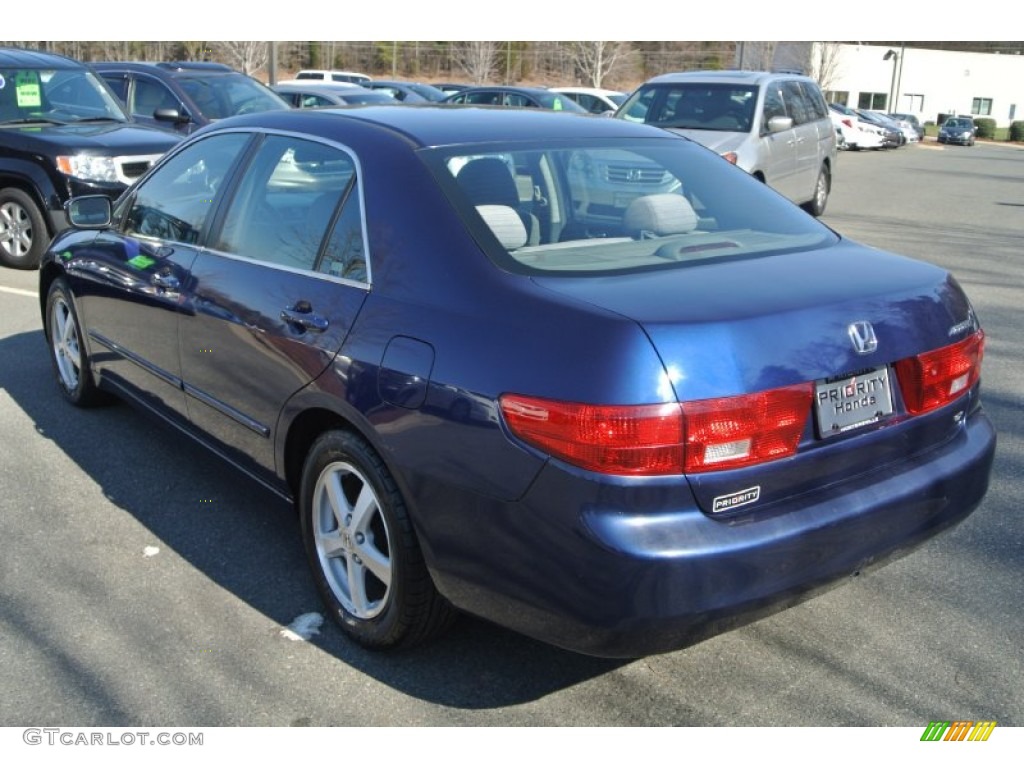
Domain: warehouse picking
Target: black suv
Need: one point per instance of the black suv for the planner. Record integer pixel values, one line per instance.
(62, 133)
(185, 95)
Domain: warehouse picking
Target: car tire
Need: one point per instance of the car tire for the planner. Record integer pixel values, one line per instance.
(71, 365)
(361, 546)
(816, 205)
(23, 234)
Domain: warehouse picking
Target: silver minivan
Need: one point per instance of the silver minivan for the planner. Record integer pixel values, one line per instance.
(774, 125)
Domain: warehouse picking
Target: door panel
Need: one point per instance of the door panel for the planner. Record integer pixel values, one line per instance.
(274, 302)
(135, 281)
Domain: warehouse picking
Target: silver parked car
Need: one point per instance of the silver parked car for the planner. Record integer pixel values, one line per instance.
(774, 125)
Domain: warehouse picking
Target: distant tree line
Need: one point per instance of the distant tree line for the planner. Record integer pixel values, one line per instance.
(613, 64)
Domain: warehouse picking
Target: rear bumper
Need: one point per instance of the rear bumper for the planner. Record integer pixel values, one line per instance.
(635, 569)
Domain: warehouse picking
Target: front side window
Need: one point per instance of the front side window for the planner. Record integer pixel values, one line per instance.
(151, 95)
(227, 95)
(797, 104)
(286, 203)
(176, 202)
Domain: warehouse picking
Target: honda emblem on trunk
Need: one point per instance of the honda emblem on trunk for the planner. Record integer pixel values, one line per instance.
(862, 335)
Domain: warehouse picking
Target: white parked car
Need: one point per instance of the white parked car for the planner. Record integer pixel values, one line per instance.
(857, 133)
(333, 76)
(596, 100)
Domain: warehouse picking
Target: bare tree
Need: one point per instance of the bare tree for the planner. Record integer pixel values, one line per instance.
(756, 54)
(477, 58)
(245, 55)
(825, 59)
(593, 60)
(196, 50)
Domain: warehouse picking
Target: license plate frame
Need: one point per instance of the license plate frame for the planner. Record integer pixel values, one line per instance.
(854, 400)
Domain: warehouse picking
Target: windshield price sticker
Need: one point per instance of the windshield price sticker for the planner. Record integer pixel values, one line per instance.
(26, 90)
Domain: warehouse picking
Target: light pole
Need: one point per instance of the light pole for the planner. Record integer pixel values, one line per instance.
(891, 54)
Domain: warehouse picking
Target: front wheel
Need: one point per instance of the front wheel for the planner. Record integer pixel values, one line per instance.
(23, 233)
(816, 205)
(67, 352)
(361, 546)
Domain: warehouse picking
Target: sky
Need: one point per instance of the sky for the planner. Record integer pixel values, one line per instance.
(481, 20)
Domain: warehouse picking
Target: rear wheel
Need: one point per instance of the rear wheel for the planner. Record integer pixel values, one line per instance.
(23, 233)
(816, 205)
(360, 543)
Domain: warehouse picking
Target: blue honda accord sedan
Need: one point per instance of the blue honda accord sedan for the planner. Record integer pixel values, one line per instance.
(576, 376)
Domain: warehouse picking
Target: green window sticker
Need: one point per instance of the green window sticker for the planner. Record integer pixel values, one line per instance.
(141, 262)
(26, 90)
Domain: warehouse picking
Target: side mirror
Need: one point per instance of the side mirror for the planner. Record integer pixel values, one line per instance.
(779, 123)
(89, 212)
(171, 116)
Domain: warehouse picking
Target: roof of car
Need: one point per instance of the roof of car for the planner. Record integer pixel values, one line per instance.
(585, 89)
(170, 68)
(435, 125)
(22, 57)
(528, 89)
(321, 86)
(746, 77)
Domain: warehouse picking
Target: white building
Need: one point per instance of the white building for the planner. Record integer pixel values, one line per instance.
(924, 82)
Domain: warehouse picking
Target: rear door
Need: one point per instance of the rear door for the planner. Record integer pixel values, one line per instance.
(275, 295)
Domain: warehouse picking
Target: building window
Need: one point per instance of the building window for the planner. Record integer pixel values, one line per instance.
(914, 102)
(872, 101)
(981, 107)
(838, 97)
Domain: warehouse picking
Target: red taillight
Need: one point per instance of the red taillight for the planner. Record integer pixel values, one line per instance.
(730, 432)
(933, 379)
(732, 157)
(614, 439)
(847, 122)
(666, 439)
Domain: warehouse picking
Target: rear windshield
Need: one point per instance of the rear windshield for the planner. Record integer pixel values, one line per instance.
(616, 206)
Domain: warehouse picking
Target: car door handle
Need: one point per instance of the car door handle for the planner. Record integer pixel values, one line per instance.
(303, 316)
(167, 282)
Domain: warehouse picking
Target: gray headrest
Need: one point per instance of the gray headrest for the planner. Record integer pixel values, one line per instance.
(506, 225)
(666, 214)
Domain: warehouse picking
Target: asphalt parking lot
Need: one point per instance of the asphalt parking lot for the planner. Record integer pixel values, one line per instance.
(144, 582)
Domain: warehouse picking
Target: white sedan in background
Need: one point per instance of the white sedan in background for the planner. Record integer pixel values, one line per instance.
(596, 100)
(857, 133)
